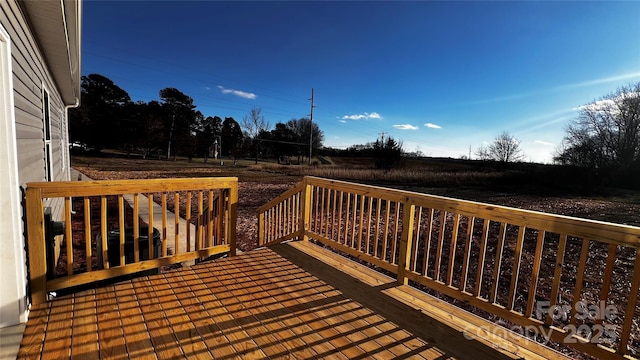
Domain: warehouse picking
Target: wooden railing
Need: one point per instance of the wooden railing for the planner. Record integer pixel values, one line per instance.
(210, 202)
(569, 280)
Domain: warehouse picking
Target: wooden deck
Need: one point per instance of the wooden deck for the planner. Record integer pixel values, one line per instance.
(277, 302)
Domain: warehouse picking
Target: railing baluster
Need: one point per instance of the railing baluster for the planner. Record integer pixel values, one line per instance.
(187, 210)
(210, 220)
(577, 292)
(427, 245)
(330, 199)
(396, 226)
(467, 253)
(338, 230)
(68, 234)
(279, 229)
(164, 223)
(452, 251)
(176, 223)
(535, 271)
(562, 245)
(87, 232)
(367, 238)
(121, 228)
(441, 233)
(498, 263)
(386, 230)
(296, 212)
(103, 231)
(354, 208)
(481, 254)
(361, 224)
(347, 215)
(219, 220)
(150, 204)
(516, 268)
(136, 231)
(199, 229)
(377, 233)
(319, 207)
(608, 272)
(266, 227)
(285, 216)
(416, 242)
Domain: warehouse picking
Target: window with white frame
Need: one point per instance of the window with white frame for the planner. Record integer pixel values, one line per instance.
(63, 152)
(46, 113)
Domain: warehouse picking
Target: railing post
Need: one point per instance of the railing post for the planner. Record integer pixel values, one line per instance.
(233, 213)
(261, 229)
(305, 207)
(406, 240)
(37, 246)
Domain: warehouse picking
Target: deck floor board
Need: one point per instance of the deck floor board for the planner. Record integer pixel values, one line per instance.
(268, 303)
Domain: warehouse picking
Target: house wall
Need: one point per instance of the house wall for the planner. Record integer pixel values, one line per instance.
(30, 77)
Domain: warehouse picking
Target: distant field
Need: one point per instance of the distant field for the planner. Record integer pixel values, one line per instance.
(529, 186)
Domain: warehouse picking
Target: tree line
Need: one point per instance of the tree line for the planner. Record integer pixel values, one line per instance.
(172, 126)
(606, 137)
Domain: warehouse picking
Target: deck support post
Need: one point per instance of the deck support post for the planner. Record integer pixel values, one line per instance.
(305, 208)
(37, 248)
(261, 225)
(233, 214)
(406, 240)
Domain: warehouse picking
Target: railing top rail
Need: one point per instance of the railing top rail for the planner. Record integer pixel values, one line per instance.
(116, 187)
(619, 234)
(297, 188)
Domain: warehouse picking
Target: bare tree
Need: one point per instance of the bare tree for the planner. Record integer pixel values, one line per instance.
(504, 148)
(606, 133)
(254, 124)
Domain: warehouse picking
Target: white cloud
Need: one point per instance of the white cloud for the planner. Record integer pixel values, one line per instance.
(432, 126)
(405, 127)
(612, 106)
(343, 121)
(364, 116)
(540, 142)
(604, 80)
(240, 93)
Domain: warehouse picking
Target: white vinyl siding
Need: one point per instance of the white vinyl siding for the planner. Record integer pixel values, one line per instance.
(31, 78)
(37, 117)
(13, 305)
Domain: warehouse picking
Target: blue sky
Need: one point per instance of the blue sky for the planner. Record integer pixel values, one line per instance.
(442, 77)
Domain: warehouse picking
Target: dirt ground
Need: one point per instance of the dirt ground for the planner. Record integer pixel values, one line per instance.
(256, 188)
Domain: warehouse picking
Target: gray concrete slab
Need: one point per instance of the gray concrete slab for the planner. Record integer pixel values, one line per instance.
(10, 338)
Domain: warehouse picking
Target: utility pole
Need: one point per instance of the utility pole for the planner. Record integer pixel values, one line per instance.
(382, 134)
(173, 121)
(311, 127)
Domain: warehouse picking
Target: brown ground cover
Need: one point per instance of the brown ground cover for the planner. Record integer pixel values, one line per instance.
(260, 183)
